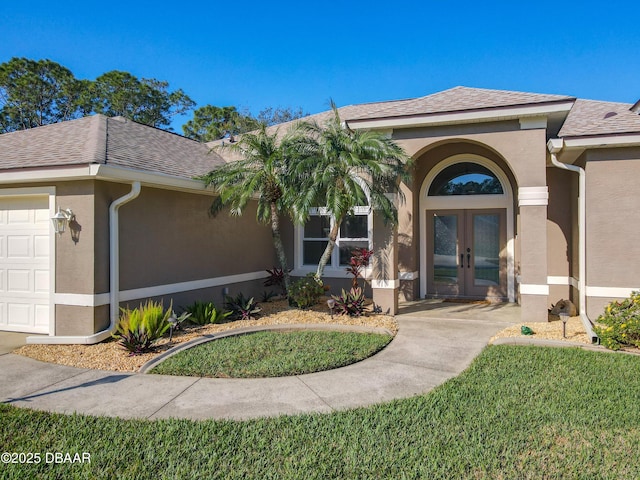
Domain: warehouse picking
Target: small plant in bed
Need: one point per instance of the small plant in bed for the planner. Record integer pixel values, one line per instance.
(274, 354)
(306, 292)
(203, 313)
(139, 328)
(619, 325)
(350, 303)
(241, 308)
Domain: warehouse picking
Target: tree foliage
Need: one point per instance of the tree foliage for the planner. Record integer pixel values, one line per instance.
(349, 168)
(212, 123)
(266, 172)
(274, 116)
(144, 100)
(35, 93)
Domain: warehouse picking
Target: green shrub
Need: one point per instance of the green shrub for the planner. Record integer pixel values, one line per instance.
(350, 303)
(620, 323)
(305, 292)
(139, 328)
(203, 313)
(241, 308)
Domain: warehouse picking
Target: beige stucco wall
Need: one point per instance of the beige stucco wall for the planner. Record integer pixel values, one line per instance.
(168, 237)
(522, 156)
(559, 230)
(613, 229)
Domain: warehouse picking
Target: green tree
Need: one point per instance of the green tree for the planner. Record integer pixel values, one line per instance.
(146, 101)
(35, 93)
(212, 123)
(265, 171)
(349, 168)
(274, 116)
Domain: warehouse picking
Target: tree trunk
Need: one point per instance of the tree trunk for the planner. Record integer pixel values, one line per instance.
(277, 243)
(326, 256)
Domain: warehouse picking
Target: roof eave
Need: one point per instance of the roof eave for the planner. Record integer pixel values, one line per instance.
(602, 141)
(104, 172)
(464, 116)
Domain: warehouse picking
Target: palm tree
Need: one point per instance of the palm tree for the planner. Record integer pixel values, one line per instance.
(348, 168)
(263, 173)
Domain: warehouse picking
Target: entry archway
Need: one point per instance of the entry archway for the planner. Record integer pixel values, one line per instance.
(466, 208)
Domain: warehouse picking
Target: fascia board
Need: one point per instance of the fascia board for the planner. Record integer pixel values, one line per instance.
(104, 172)
(602, 142)
(496, 114)
(122, 174)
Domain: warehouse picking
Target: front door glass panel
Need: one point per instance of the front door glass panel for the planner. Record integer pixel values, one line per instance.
(486, 248)
(445, 249)
(467, 253)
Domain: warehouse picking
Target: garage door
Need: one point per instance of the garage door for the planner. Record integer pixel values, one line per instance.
(24, 264)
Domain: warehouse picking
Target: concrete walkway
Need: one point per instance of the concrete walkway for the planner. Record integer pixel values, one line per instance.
(429, 349)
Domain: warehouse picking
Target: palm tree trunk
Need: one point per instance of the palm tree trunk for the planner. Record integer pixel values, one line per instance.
(326, 256)
(277, 243)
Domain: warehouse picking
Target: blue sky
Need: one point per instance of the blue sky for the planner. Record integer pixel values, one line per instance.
(258, 54)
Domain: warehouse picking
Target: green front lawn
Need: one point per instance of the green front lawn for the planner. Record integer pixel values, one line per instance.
(273, 354)
(516, 413)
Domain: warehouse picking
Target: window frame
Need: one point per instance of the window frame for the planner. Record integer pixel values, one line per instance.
(333, 269)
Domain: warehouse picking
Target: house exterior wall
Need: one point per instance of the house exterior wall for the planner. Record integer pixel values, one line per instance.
(521, 155)
(167, 238)
(613, 203)
(560, 218)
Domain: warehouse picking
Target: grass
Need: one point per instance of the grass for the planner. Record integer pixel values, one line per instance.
(274, 354)
(517, 412)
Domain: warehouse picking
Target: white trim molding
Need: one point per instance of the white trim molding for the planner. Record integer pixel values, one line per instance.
(622, 140)
(533, 196)
(476, 116)
(532, 289)
(561, 280)
(610, 292)
(99, 299)
(385, 284)
(532, 123)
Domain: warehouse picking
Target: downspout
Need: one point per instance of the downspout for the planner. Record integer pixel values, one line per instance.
(114, 279)
(114, 258)
(554, 146)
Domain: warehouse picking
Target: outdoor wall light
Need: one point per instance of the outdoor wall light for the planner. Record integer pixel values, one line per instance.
(61, 218)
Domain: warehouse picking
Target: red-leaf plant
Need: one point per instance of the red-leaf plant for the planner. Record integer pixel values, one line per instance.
(359, 260)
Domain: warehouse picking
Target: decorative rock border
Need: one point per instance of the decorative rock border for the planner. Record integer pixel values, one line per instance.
(242, 331)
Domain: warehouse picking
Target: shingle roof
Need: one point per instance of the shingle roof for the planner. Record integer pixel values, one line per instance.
(455, 100)
(111, 141)
(589, 117)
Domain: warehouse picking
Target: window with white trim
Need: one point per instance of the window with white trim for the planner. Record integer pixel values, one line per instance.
(355, 232)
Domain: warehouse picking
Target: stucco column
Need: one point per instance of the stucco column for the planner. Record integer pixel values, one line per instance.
(384, 279)
(534, 290)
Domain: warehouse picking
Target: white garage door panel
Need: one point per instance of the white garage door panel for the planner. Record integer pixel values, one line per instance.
(24, 264)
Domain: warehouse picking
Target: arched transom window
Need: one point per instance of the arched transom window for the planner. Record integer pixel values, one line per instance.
(465, 178)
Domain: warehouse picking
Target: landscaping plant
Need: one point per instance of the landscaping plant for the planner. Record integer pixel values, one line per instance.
(620, 323)
(267, 296)
(306, 292)
(350, 303)
(140, 328)
(276, 279)
(203, 313)
(359, 260)
(240, 307)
